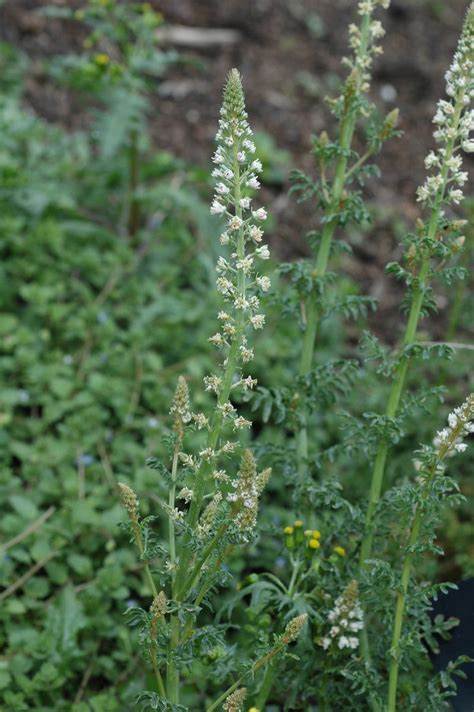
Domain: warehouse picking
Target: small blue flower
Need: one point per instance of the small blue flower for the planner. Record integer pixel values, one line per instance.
(85, 460)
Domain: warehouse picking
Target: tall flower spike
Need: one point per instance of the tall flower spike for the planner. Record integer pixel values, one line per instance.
(454, 121)
(236, 173)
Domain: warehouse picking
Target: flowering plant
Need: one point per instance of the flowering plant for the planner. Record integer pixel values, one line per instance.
(340, 595)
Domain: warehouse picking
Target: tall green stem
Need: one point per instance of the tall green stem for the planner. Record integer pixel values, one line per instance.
(180, 589)
(399, 611)
(407, 566)
(172, 675)
(223, 397)
(398, 382)
(313, 311)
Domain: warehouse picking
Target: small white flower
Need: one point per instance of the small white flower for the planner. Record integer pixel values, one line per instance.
(264, 283)
(253, 182)
(245, 203)
(260, 214)
(256, 233)
(456, 196)
(222, 189)
(245, 264)
(263, 252)
(218, 157)
(224, 286)
(257, 321)
(241, 156)
(246, 354)
(186, 494)
(217, 339)
(217, 208)
(240, 423)
(256, 165)
(235, 222)
(241, 303)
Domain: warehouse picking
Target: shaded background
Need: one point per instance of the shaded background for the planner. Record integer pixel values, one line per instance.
(289, 54)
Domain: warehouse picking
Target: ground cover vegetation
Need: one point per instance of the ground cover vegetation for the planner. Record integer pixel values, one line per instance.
(220, 489)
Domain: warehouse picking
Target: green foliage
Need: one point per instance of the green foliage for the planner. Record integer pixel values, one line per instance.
(107, 295)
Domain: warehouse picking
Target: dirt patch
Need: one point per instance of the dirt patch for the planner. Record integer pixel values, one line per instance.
(289, 54)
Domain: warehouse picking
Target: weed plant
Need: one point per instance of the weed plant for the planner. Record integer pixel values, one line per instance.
(286, 525)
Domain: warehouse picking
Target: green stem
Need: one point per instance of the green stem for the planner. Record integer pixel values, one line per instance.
(407, 568)
(294, 576)
(171, 502)
(313, 312)
(266, 686)
(399, 611)
(251, 671)
(139, 542)
(398, 382)
(213, 438)
(172, 675)
(156, 670)
(461, 288)
(189, 583)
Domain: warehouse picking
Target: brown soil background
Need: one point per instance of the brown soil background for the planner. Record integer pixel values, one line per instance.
(282, 47)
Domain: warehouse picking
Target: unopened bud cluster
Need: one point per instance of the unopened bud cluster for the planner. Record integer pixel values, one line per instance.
(247, 490)
(129, 501)
(235, 701)
(157, 611)
(181, 409)
(346, 619)
(363, 40)
(294, 628)
(454, 121)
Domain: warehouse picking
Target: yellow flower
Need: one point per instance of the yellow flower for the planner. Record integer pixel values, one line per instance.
(254, 709)
(102, 59)
(316, 534)
(298, 523)
(288, 530)
(339, 550)
(314, 544)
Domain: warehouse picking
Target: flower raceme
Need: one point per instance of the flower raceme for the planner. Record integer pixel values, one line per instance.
(237, 172)
(454, 121)
(346, 619)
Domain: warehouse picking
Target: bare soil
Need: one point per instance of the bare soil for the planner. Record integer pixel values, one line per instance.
(289, 53)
